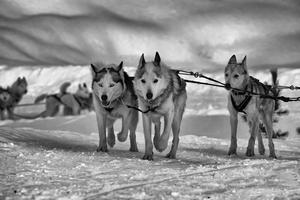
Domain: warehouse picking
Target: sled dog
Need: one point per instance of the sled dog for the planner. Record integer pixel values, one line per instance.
(256, 109)
(161, 93)
(112, 92)
(73, 103)
(11, 96)
(4, 101)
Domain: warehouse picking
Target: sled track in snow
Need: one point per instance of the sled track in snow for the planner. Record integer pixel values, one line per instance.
(109, 188)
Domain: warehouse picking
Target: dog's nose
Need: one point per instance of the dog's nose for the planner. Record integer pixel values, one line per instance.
(149, 95)
(227, 86)
(104, 97)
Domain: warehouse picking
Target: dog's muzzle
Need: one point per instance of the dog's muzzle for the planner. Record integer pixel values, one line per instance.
(227, 86)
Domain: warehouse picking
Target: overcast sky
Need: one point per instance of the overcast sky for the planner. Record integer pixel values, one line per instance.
(192, 33)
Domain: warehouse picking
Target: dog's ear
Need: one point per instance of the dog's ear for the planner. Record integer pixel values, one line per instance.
(142, 61)
(93, 70)
(19, 79)
(157, 60)
(244, 60)
(121, 71)
(232, 60)
(244, 64)
(120, 67)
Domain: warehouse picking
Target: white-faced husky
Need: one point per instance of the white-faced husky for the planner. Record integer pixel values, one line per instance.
(255, 108)
(112, 92)
(162, 93)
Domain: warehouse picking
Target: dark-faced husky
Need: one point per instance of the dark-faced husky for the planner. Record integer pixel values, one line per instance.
(4, 102)
(15, 93)
(255, 108)
(112, 92)
(162, 93)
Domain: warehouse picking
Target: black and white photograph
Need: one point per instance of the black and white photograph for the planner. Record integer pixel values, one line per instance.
(149, 99)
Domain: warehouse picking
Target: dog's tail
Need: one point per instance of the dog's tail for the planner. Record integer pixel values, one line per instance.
(64, 87)
(40, 98)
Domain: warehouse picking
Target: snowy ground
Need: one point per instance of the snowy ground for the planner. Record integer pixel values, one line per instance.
(50, 164)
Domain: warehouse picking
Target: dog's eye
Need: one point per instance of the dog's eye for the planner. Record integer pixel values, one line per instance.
(155, 81)
(226, 75)
(236, 76)
(100, 84)
(111, 85)
(143, 81)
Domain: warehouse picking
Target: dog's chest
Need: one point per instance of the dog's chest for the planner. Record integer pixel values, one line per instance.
(117, 112)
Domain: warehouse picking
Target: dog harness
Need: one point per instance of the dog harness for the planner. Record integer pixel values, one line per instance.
(245, 102)
(240, 107)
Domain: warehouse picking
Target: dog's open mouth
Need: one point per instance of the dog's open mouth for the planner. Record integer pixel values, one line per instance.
(105, 103)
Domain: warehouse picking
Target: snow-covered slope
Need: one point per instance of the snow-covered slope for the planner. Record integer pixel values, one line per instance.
(39, 164)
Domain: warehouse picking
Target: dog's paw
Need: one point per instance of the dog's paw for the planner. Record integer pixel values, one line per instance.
(171, 155)
(122, 137)
(148, 157)
(232, 151)
(261, 150)
(273, 155)
(162, 145)
(250, 152)
(111, 140)
(102, 149)
(134, 149)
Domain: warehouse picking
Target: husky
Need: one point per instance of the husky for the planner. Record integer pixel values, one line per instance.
(4, 101)
(113, 93)
(256, 109)
(73, 103)
(15, 94)
(161, 93)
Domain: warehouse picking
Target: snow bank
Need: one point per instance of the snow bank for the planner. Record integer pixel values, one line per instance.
(37, 164)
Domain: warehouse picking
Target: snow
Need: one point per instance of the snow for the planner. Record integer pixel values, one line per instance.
(61, 164)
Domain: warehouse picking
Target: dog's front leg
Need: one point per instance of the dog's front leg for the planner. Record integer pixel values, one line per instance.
(253, 122)
(10, 113)
(126, 120)
(233, 125)
(101, 121)
(147, 134)
(1, 114)
(157, 134)
(164, 138)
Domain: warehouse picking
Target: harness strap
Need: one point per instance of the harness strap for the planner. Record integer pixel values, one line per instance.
(241, 106)
(80, 100)
(244, 103)
(143, 111)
